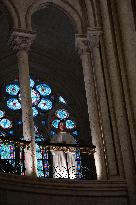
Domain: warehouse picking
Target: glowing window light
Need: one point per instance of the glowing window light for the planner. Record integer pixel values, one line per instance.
(35, 97)
(62, 114)
(39, 138)
(5, 151)
(32, 83)
(55, 123)
(40, 172)
(45, 104)
(38, 152)
(75, 133)
(52, 133)
(61, 100)
(70, 124)
(13, 104)
(12, 89)
(43, 89)
(5, 123)
(35, 111)
(2, 134)
(2, 114)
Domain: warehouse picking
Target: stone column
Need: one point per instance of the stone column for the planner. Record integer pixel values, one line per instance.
(94, 35)
(20, 41)
(91, 95)
(121, 116)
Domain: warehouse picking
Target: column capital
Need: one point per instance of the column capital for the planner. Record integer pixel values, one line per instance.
(21, 39)
(93, 37)
(81, 44)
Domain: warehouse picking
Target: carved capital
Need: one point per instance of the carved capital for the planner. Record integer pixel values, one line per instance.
(93, 36)
(81, 44)
(21, 40)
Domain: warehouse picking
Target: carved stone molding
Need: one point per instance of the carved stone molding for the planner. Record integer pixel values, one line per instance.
(93, 37)
(81, 43)
(21, 40)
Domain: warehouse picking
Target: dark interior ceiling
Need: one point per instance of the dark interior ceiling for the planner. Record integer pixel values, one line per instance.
(52, 58)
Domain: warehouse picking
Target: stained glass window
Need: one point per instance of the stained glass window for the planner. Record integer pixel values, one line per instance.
(43, 89)
(70, 124)
(13, 104)
(5, 123)
(35, 111)
(61, 99)
(2, 114)
(35, 97)
(32, 83)
(62, 114)
(45, 104)
(12, 89)
(55, 123)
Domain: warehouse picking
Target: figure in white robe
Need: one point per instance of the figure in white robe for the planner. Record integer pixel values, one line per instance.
(64, 164)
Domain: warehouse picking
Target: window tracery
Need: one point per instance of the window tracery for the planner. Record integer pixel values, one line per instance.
(43, 101)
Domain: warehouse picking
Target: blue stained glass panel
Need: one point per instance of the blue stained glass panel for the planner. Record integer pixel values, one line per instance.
(39, 138)
(45, 104)
(62, 114)
(43, 122)
(5, 151)
(55, 123)
(40, 168)
(12, 89)
(61, 100)
(11, 132)
(13, 104)
(19, 122)
(5, 123)
(52, 133)
(35, 111)
(32, 83)
(75, 133)
(43, 89)
(2, 114)
(38, 152)
(70, 124)
(35, 97)
(2, 134)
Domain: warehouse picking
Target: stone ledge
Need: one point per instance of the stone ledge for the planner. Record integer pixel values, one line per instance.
(63, 186)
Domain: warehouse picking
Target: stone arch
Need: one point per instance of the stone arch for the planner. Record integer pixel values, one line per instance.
(13, 14)
(70, 11)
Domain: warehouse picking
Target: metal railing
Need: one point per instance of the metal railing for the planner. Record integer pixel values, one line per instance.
(84, 167)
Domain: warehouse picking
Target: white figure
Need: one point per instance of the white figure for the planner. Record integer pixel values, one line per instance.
(64, 164)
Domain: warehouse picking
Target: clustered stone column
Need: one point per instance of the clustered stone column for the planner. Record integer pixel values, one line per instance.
(20, 42)
(83, 46)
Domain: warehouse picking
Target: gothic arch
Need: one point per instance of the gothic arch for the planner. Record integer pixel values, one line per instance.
(12, 13)
(70, 11)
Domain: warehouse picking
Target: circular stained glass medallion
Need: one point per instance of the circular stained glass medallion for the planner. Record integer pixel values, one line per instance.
(55, 123)
(12, 89)
(2, 113)
(35, 97)
(13, 104)
(70, 124)
(43, 89)
(45, 104)
(5, 123)
(62, 114)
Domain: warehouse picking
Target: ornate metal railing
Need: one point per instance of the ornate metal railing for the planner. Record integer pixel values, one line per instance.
(84, 167)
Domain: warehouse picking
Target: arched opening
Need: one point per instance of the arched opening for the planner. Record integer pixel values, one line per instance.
(53, 59)
(53, 55)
